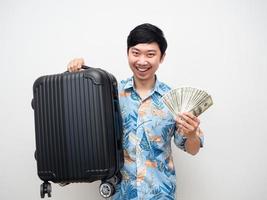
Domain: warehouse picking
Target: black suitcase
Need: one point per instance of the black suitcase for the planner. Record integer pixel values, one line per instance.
(78, 129)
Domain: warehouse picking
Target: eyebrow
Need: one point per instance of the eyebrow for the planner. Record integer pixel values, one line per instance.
(150, 50)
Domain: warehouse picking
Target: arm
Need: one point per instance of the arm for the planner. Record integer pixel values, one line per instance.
(188, 125)
(193, 144)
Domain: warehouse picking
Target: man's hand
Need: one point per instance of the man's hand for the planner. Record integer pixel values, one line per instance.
(188, 125)
(75, 65)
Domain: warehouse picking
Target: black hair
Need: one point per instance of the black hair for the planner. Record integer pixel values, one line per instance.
(147, 33)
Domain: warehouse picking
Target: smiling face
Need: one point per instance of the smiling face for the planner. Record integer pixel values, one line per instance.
(144, 60)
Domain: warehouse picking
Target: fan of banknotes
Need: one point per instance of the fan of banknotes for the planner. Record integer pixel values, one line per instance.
(187, 99)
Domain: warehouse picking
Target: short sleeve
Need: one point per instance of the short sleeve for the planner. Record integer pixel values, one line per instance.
(180, 140)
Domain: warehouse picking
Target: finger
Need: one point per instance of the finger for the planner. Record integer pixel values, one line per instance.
(72, 66)
(191, 118)
(180, 129)
(187, 122)
(178, 124)
(190, 115)
(183, 130)
(81, 61)
(75, 64)
(69, 66)
(179, 121)
(70, 69)
(182, 122)
(76, 67)
(187, 119)
(187, 127)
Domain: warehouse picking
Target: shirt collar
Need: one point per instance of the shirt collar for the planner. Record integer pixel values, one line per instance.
(159, 86)
(129, 83)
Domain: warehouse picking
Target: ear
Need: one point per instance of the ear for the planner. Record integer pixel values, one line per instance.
(162, 58)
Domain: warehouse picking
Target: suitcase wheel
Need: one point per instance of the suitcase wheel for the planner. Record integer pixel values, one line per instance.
(106, 189)
(45, 188)
(116, 179)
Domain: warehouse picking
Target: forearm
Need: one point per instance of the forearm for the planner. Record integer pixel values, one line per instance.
(192, 145)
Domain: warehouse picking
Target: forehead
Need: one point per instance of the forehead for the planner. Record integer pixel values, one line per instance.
(146, 47)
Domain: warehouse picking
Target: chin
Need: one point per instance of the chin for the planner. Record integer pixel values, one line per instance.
(143, 78)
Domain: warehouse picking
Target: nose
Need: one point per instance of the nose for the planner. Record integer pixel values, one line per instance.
(142, 61)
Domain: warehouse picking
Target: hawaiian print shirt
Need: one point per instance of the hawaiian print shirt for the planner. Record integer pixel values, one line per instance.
(148, 171)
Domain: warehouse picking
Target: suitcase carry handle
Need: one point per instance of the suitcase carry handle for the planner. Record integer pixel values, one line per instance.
(89, 75)
(83, 67)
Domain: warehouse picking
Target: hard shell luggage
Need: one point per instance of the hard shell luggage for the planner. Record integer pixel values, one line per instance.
(78, 129)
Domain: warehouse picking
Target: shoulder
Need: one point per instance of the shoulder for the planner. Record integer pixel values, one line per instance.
(123, 83)
(162, 87)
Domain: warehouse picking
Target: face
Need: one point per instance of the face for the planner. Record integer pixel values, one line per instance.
(144, 60)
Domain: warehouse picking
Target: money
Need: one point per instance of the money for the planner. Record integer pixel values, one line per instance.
(187, 99)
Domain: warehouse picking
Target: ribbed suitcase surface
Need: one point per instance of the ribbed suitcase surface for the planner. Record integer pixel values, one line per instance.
(77, 126)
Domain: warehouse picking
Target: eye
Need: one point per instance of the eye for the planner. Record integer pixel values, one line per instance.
(150, 55)
(135, 53)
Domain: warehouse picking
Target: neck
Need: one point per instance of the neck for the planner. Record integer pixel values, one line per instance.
(143, 87)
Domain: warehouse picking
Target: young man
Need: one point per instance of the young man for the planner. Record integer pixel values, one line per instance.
(148, 171)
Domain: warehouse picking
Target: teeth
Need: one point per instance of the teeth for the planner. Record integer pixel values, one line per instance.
(142, 69)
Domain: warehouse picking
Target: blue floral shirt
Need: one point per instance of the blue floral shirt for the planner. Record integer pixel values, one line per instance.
(148, 171)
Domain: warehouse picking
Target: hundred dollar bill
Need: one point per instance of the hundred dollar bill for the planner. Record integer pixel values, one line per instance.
(204, 105)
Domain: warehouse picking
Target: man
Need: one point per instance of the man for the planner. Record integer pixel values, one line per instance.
(148, 171)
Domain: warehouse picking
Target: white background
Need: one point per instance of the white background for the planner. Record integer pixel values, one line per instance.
(217, 45)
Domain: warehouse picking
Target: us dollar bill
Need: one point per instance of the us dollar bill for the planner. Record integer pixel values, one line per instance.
(201, 107)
